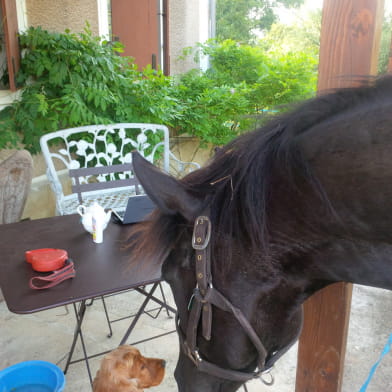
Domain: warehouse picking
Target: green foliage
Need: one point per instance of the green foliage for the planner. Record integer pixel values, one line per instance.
(242, 82)
(73, 80)
(237, 19)
(236, 63)
(301, 36)
(271, 78)
(291, 77)
(213, 112)
(385, 45)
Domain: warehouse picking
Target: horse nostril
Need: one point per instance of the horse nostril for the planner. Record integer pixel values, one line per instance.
(163, 363)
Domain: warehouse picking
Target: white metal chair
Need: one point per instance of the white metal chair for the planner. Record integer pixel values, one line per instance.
(104, 145)
(75, 157)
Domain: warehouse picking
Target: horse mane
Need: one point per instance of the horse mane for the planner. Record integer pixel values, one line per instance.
(236, 183)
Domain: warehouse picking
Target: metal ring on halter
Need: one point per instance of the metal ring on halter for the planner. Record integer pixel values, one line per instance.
(195, 356)
(191, 301)
(271, 380)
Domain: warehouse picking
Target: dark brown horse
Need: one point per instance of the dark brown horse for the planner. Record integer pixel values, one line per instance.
(301, 203)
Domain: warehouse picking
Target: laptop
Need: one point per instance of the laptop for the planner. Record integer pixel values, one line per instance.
(138, 207)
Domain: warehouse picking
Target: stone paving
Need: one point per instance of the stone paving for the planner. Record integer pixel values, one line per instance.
(47, 336)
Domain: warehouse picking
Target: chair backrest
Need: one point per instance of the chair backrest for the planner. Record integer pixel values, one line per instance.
(100, 145)
(93, 184)
(15, 180)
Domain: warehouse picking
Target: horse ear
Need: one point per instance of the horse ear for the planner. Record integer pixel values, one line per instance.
(165, 191)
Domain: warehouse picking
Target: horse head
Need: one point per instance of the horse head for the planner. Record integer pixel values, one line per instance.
(269, 306)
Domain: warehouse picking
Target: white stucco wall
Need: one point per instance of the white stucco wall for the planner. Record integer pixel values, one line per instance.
(189, 23)
(58, 15)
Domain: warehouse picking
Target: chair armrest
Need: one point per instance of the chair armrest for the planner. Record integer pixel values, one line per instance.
(180, 168)
(55, 185)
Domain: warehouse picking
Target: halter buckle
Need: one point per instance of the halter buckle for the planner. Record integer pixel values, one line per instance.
(201, 236)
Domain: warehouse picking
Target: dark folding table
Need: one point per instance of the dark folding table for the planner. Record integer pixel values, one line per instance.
(100, 269)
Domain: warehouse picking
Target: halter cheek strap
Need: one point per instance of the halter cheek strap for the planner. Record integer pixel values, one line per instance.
(200, 241)
(200, 308)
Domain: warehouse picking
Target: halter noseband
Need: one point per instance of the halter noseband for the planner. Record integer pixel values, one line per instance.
(200, 307)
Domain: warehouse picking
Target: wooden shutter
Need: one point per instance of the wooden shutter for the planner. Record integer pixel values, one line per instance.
(137, 24)
(10, 26)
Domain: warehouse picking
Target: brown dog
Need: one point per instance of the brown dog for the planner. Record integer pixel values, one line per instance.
(126, 370)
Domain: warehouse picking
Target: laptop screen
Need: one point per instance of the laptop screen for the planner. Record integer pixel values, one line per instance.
(138, 207)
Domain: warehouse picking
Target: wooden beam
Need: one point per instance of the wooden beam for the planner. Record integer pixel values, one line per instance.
(10, 25)
(322, 344)
(350, 40)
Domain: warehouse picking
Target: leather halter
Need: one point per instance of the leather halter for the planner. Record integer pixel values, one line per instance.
(200, 307)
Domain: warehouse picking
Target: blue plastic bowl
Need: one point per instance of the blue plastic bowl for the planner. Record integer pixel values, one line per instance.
(32, 376)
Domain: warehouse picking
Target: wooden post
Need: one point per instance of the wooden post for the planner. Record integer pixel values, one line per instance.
(10, 25)
(350, 39)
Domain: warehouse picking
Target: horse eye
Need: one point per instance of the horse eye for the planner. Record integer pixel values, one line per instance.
(143, 366)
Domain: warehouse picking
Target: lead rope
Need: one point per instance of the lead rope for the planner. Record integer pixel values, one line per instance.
(384, 352)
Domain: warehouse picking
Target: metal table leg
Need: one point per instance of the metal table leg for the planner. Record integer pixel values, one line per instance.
(138, 314)
(79, 314)
(158, 301)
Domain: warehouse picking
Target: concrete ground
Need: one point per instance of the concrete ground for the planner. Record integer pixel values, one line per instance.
(47, 336)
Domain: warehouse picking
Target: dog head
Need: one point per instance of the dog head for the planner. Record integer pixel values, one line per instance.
(125, 369)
